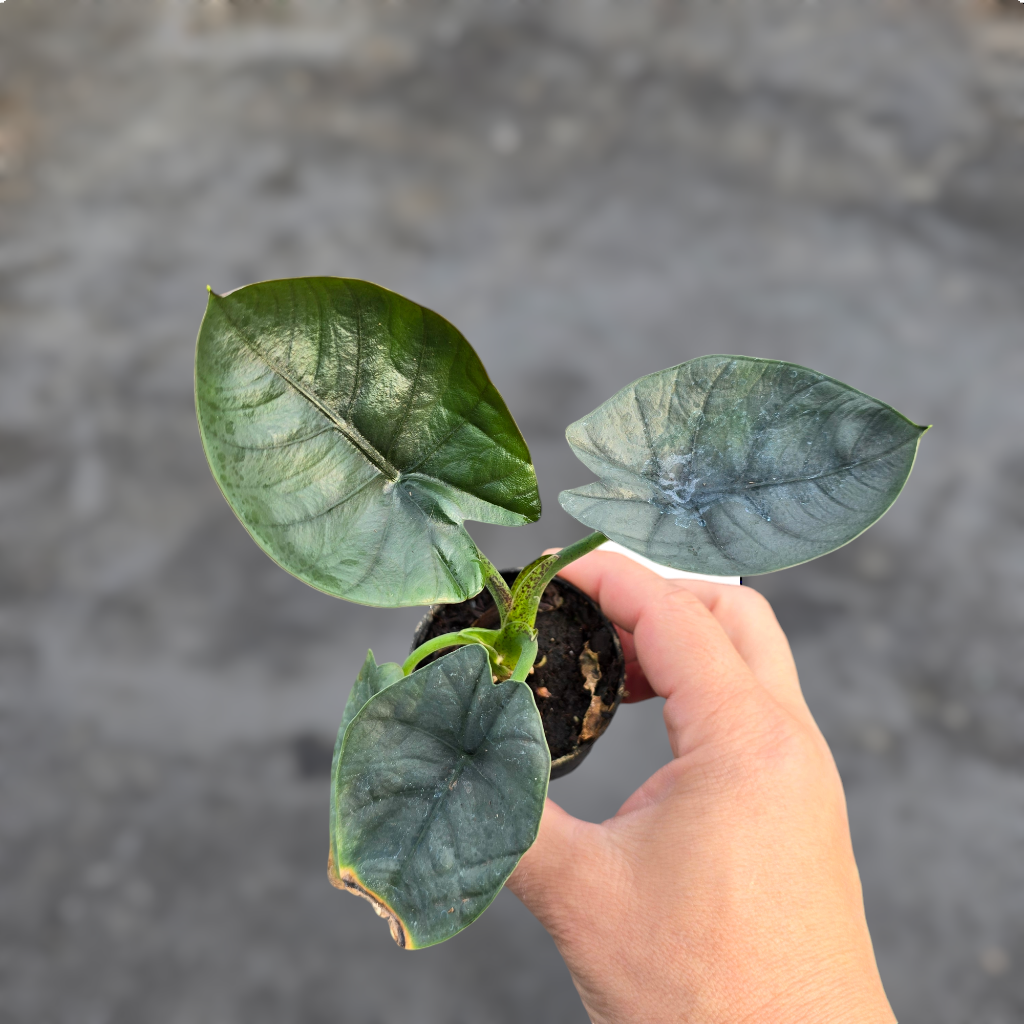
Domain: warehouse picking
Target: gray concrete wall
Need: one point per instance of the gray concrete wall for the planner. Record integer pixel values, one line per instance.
(591, 190)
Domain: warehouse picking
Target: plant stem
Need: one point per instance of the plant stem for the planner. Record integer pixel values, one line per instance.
(496, 584)
(484, 637)
(529, 586)
(514, 646)
(525, 663)
(577, 550)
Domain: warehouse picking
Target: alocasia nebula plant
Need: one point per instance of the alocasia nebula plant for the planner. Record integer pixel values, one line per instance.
(353, 432)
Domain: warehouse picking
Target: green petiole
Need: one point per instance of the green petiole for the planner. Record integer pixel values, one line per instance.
(496, 584)
(484, 637)
(512, 649)
(529, 586)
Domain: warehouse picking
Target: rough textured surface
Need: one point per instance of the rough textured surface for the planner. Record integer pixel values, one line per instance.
(837, 184)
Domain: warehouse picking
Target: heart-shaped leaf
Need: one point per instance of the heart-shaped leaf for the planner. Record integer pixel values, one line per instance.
(730, 465)
(437, 793)
(352, 431)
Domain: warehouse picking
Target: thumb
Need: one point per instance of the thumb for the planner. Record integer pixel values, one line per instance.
(551, 878)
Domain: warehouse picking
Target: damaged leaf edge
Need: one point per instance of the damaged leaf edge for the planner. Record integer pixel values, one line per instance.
(348, 881)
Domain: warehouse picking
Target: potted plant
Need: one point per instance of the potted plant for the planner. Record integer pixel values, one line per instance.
(353, 432)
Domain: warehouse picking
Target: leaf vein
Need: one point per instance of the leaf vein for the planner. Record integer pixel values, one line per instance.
(326, 511)
(345, 428)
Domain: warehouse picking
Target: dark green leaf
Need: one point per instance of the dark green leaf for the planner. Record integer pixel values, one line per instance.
(352, 431)
(371, 680)
(437, 794)
(730, 465)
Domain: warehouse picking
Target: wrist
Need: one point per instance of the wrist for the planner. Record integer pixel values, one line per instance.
(836, 998)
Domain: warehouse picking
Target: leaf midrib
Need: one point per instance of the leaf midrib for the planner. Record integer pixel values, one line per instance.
(344, 427)
(352, 434)
(758, 485)
(845, 468)
(464, 759)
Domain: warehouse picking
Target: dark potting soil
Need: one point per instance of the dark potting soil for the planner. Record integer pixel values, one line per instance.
(578, 678)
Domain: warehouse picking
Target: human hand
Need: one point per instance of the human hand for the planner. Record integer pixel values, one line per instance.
(725, 890)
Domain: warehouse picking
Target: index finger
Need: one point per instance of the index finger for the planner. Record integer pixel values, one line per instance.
(624, 589)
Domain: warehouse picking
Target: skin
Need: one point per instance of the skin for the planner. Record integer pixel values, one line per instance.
(725, 890)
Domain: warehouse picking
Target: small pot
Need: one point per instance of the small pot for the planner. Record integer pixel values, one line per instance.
(579, 677)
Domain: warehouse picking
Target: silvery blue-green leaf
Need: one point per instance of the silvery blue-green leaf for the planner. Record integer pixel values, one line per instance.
(730, 465)
(437, 793)
(352, 431)
(371, 680)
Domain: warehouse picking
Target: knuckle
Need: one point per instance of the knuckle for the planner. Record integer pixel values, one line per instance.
(680, 600)
(776, 748)
(751, 601)
(755, 599)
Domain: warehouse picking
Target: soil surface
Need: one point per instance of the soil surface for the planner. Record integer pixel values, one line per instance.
(578, 677)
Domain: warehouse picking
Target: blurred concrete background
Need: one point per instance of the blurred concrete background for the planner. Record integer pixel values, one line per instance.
(590, 190)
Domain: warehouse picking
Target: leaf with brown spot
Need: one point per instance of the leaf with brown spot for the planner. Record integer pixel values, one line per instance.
(437, 793)
(347, 882)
